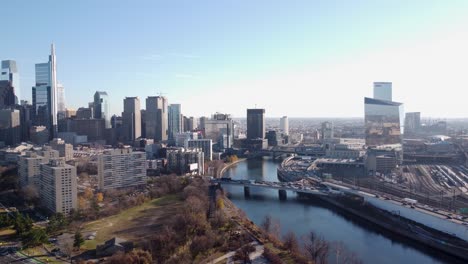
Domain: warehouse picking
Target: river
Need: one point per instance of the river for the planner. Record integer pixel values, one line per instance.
(369, 243)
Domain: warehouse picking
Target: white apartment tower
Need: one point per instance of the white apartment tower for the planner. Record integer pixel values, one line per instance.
(118, 168)
(284, 125)
(58, 187)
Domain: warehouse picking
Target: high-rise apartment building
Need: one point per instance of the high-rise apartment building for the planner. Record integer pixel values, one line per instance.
(58, 189)
(383, 91)
(29, 165)
(157, 118)
(131, 119)
(10, 127)
(44, 95)
(118, 168)
(9, 74)
(284, 125)
(101, 107)
(220, 129)
(174, 120)
(255, 123)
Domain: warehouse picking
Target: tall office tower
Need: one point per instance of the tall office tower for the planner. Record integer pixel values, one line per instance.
(7, 94)
(44, 95)
(189, 124)
(119, 168)
(206, 145)
(157, 118)
(131, 119)
(327, 131)
(26, 119)
(143, 123)
(175, 121)
(412, 123)
(383, 91)
(382, 122)
(10, 127)
(61, 108)
(65, 150)
(101, 107)
(255, 123)
(220, 129)
(58, 189)
(9, 72)
(284, 125)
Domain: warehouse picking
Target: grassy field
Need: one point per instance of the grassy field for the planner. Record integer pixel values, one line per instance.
(135, 223)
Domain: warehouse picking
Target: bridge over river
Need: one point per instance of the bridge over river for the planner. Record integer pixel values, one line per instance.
(282, 187)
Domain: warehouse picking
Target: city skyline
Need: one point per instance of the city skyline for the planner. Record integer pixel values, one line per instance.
(419, 47)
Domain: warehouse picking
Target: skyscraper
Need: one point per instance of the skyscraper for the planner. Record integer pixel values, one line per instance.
(7, 94)
(61, 106)
(101, 107)
(44, 95)
(383, 91)
(382, 122)
(10, 128)
(284, 125)
(157, 118)
(220, 129)
(412, 122)
(175, 120)
(131, 119)
(255, 123)
(327, 131)
(9, 72)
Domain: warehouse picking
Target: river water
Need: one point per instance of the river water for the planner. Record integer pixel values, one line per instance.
(369, 243)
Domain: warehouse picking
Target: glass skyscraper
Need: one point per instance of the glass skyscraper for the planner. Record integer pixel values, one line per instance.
(175, 120)
(383, 122)
(45, 96)
(9, 72)
(101, 107)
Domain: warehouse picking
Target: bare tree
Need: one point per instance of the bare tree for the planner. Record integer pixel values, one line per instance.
(290, 242)
(266, 224)
(316, 248)
(343, 255)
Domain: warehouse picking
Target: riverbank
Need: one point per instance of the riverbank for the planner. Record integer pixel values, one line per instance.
(229, 165)
(402, 227)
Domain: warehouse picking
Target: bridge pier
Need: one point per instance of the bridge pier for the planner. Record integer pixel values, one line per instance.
(282, 194)
(246, 191)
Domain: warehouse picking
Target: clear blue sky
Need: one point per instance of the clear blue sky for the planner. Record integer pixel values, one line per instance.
(296, 58)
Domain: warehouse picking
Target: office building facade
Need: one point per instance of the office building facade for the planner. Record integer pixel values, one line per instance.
(44, 94)
(10, 127)
(255, 123)
(9, 75)
(174, 120)
(382, 122)
(101, 107)
(185, 161)
(157, 118)
(412, 123)
(131, 119)
(206, 145)
(383, 91)
(327, 131)
(220, 129)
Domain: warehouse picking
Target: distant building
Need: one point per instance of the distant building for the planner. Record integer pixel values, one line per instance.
(65, 150)
(29, 169)
(175, 120)
(61, 105)
(9, 83)
(113, 246)
(383, 91)
(189, 124)
(183, 138)
(10, 127)
(284, 125)
(184, 161)
(382, 122)
(131, 119)
(119, 168)
(94, 129)
(206, 145)
(255, 123)
(84, 113)
(412, 123)
(44, 95)
(69, 113)
(58, 190)
(327, 131)
(39, 135)
(274, 138)
(220, 129)
(157, 118)
(101, 107)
